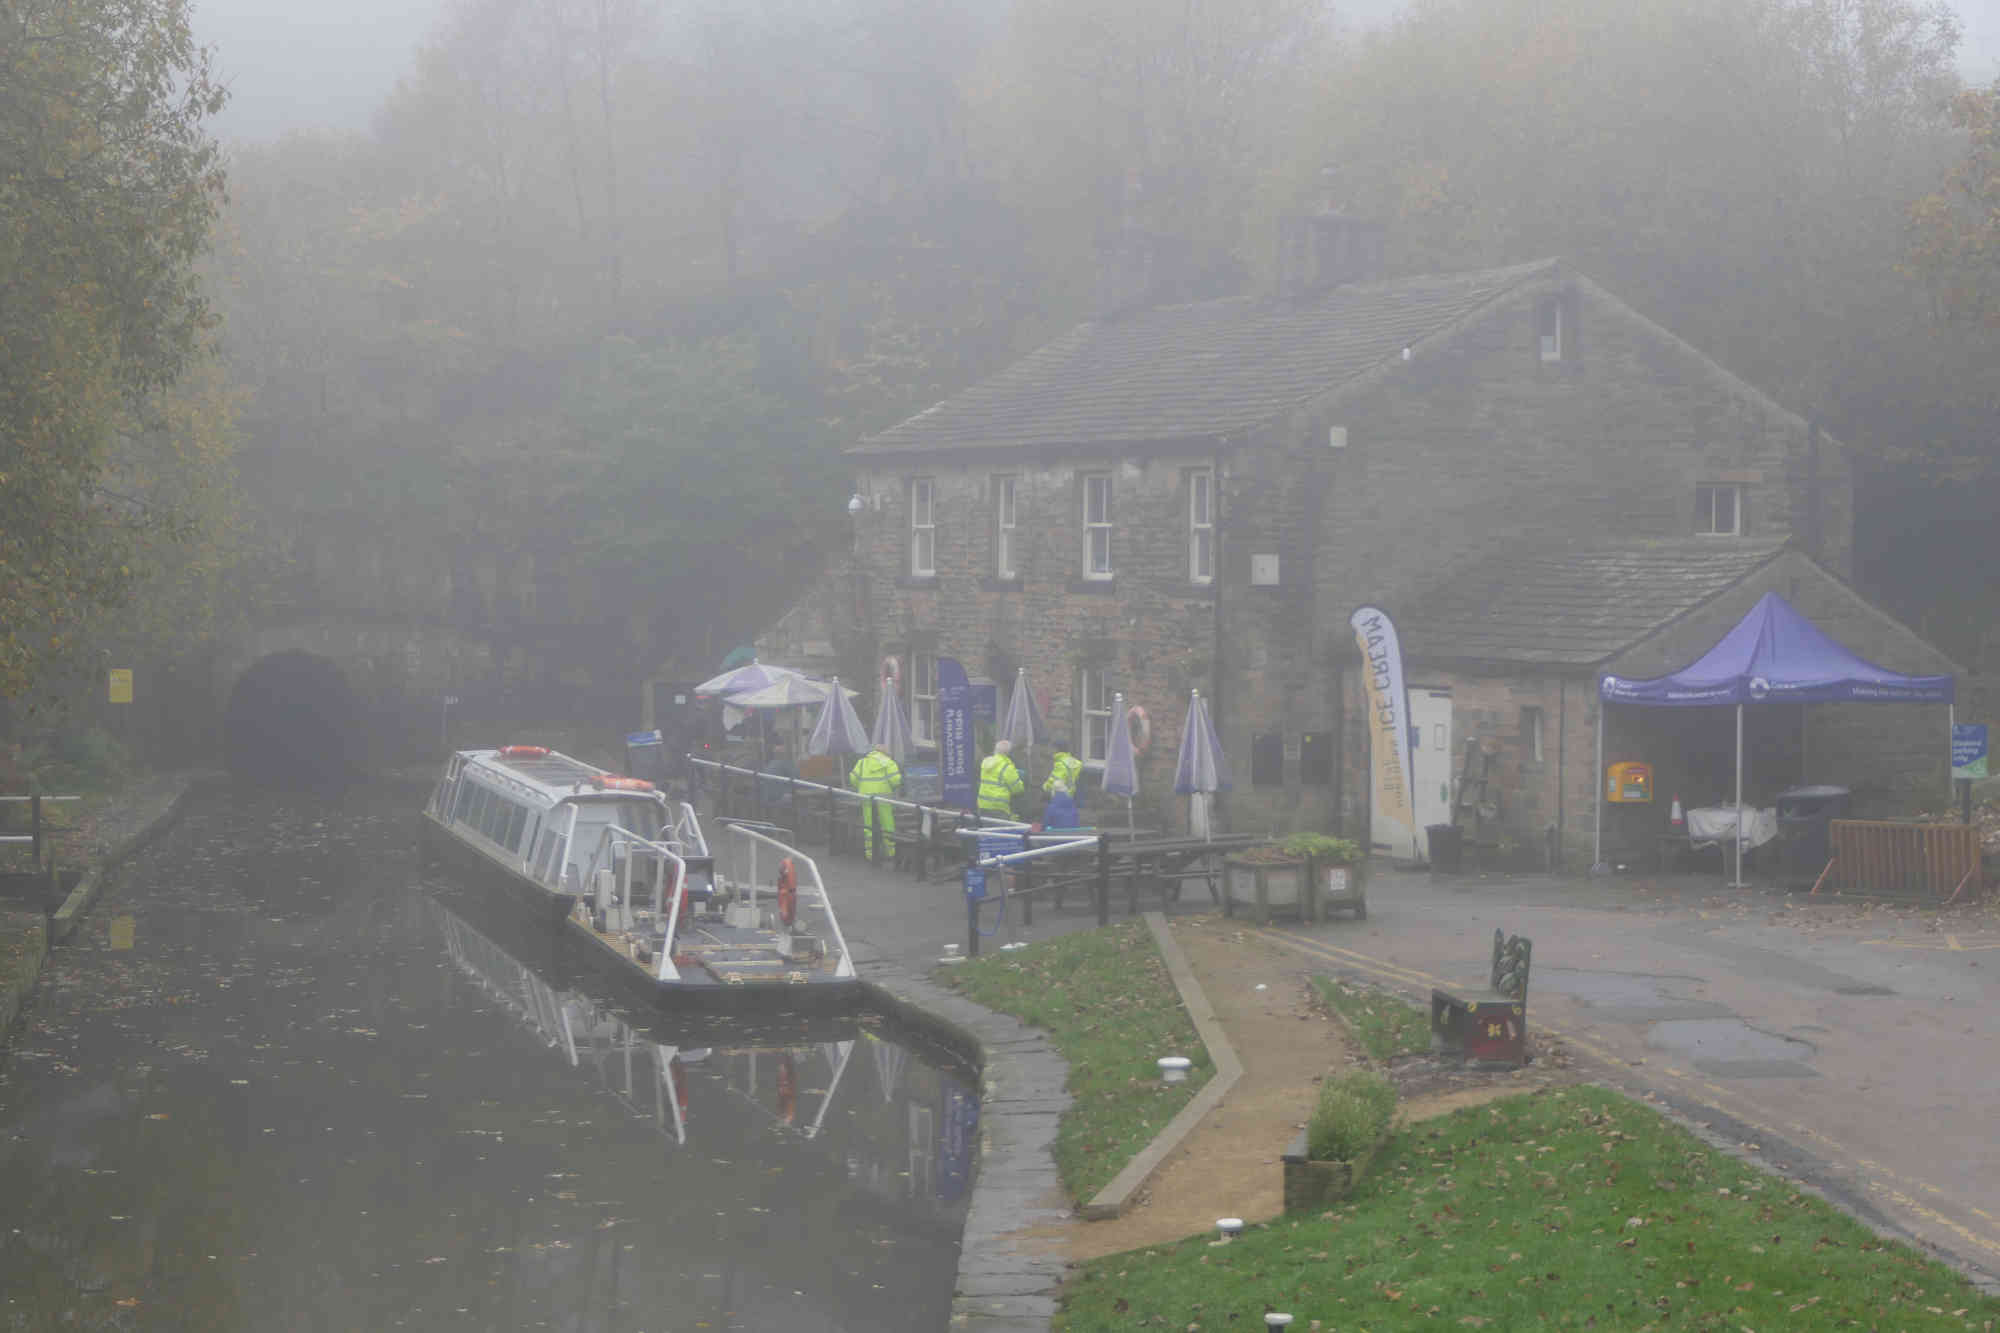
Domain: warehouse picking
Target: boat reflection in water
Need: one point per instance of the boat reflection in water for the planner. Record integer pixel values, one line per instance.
(839, 1156)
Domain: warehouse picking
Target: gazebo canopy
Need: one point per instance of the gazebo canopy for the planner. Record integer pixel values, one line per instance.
(1775, 655)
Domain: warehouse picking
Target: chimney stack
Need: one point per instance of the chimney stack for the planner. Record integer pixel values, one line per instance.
(1318, 251)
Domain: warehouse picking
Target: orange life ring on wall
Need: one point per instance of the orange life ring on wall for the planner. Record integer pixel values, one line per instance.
(1142, 735)
(788, 891)
(524, 752)
(788, 1089)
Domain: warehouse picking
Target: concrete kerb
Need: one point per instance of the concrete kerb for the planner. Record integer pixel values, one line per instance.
(1115, 1197)
(64, 919)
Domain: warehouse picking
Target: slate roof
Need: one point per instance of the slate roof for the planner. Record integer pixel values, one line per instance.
(1575, 604)
(1196, 372)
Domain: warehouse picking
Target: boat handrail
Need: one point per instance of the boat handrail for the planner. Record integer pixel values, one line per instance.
(686, 830)
(804, 866)
(609, 839)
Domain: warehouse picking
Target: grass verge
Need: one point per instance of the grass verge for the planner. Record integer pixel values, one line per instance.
(1385, 1025)
(1566, 1208)
(1106, 1001)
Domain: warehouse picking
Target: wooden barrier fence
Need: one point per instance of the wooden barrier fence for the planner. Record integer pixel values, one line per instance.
(1934, 861)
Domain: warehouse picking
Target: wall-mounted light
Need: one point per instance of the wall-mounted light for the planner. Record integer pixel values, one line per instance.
(855, 504)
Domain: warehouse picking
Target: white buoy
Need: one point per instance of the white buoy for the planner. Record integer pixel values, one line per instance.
(1173, 1068)
(1229, 1227)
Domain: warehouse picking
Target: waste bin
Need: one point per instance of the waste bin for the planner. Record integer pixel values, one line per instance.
(1447, 845)
(1805, 817)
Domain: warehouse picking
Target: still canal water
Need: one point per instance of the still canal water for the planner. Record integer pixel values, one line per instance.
(287, 1078)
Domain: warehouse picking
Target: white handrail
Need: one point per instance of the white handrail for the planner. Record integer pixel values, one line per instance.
(612, 837)
(804, 865)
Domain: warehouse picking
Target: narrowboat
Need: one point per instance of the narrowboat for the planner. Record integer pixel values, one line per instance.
(613, 862)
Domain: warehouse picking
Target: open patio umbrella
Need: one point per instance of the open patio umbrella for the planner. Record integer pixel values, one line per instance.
(753, 675)
(839, 729)
(892, 728)
(1202, 769)
(1023, 724)
(793, 691)
(1121, 765)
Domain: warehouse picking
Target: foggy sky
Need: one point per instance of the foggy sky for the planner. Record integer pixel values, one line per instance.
(328, 64)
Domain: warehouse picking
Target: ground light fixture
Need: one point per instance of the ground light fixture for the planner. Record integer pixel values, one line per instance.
(1173, 1068)
(952, 954)
(1229, 1227)
(1272, 1319)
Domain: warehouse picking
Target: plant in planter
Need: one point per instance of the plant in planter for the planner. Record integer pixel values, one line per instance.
(1348, 1127)
(1293, 873)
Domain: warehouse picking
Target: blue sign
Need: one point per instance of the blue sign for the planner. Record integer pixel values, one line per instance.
(1968, 750)
(642, 738)
(975, 882)
(954, 734)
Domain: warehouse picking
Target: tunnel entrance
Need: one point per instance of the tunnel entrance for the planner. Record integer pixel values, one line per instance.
(292, 721)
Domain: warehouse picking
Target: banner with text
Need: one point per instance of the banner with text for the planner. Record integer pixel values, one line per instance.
(1393, 822)
(954, 704)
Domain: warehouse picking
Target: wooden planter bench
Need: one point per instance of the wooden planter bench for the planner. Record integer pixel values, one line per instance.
(1488, 1027)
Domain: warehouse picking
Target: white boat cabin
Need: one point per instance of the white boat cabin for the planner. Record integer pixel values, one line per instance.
(543, 812)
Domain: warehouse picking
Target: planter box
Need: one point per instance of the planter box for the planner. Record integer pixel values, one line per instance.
(1311, 1186)
(1343, 889)
(1264, 885)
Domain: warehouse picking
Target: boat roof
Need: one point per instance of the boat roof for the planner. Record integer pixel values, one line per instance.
(554, 776)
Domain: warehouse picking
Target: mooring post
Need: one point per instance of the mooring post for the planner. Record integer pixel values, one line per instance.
(1104, 879)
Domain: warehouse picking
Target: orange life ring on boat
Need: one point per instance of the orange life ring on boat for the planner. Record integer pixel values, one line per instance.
(1143, 734)
(621, 784)
(788, 1089)
(524, 752)
(788, 891)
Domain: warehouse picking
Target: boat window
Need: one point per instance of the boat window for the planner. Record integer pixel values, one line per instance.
(545, 859)
(466, 790)
(478, 810)
(517, 823)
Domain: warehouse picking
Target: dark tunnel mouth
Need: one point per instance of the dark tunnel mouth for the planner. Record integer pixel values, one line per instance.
(292, 721)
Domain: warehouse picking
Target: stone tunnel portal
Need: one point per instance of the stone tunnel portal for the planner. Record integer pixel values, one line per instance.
(292, 719)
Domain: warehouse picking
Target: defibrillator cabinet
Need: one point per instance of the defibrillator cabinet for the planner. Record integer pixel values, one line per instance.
(1629, 782)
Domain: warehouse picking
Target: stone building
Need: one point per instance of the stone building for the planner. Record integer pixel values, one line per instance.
(1199, 495)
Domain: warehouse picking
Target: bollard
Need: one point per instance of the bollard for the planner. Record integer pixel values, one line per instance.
(1027, 890)
(1104, 879)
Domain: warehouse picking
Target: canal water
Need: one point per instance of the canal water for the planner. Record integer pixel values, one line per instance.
(286, 1077)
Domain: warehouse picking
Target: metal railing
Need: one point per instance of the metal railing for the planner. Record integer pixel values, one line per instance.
(36, 835)
(745, 854)
(609, 877)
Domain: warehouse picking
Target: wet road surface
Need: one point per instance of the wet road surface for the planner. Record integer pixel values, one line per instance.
(282, 1079)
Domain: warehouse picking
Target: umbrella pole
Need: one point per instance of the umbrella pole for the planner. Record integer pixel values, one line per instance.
(1738, 883)
(1597, 866)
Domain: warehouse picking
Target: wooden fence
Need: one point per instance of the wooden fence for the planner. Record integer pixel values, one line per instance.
(1928, 861)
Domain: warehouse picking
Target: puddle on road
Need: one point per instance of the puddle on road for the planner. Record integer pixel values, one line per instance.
(1731, 1048)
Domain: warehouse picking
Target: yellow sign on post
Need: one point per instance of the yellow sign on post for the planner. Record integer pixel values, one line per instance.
(121, 685)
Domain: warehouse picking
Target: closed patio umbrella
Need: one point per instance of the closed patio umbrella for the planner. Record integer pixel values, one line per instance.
(1023, 724)
(1121, 765)
(839, 730)
(1202, 769)
(892, 728)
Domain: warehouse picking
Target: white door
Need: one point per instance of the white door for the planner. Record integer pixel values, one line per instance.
(1430, 782)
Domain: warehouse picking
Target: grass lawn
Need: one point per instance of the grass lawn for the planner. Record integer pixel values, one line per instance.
(1106, 1001)
(1566, 1208)
(1386, 1025)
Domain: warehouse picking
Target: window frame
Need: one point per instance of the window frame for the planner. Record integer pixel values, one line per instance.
(1201, 526)
(923, 703)
(1096, 528)
(923, 528)
(1706, 527)
(1094, 724)
(1006, 516)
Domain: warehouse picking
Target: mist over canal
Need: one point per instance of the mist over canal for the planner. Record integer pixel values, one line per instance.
(286, 1077)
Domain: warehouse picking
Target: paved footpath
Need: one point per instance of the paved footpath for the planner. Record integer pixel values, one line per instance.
(1850, 1047)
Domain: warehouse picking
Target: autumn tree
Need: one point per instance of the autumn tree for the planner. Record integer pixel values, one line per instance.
(108, 187)
(1955, 229)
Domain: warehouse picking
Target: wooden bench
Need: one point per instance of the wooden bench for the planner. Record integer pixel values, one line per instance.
(1488, 1027)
